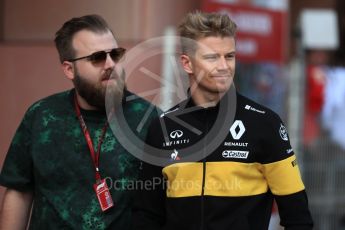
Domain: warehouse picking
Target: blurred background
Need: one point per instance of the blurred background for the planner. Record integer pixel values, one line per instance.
(290, 57)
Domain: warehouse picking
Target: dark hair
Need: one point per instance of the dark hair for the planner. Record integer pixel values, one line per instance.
(64, 36)
(198, 25)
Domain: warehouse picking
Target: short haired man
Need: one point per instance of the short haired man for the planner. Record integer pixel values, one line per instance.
(233, 185)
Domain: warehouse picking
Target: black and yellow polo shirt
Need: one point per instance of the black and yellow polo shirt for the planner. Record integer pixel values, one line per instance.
(234, 183)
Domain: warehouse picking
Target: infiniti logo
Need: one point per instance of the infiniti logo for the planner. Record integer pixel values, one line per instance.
(176, 134)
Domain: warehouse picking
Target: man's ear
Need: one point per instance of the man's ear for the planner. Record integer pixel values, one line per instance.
(186, 63)
(68, 69)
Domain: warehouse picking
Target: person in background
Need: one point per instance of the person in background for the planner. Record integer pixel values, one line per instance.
(233, 185)
(64, 157)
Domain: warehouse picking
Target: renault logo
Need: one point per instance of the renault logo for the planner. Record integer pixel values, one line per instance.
(237, 129)
(176, 134)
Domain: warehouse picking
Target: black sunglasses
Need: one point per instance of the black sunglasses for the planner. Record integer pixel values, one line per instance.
(116, 54)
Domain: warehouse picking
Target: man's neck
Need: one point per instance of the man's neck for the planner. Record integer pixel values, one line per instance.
(83, 103)
(205, 99)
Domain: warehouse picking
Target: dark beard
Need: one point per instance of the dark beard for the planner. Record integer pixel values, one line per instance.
(94, 94)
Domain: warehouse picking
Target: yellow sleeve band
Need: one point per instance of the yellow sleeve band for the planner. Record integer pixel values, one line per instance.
(283, 177)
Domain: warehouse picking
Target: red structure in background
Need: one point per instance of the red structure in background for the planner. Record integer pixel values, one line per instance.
(316, 80)
(261, 34)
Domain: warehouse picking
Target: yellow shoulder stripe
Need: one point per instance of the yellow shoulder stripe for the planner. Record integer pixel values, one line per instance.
(233, 178)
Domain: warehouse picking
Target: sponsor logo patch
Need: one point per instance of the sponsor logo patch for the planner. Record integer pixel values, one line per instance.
(174, 156)
(248, 107)
(177, 142)
(294, 163)
(237, 129)
(176, 134)
(235, 154)
(283, 132)
(289, 151)
(176, 139)
(238, 144)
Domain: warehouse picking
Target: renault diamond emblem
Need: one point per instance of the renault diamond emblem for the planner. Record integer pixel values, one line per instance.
(237, 129)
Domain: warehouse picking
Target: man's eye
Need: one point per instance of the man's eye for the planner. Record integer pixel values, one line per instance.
(230, 56)
(210, 57)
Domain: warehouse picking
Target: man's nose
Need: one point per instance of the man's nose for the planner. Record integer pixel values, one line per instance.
(222, 63)
(109, 62)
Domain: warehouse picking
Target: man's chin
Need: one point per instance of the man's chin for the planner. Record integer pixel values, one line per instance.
(222, 88)
(114, 94)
